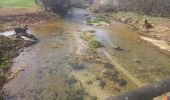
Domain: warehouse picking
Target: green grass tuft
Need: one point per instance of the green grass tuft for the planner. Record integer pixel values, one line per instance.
(90, 38)
(91, 21)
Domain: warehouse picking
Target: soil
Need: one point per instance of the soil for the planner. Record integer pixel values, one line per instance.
(12, 17)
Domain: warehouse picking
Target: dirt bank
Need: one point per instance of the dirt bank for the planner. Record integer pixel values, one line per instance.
(160, 30)
(12, 17)
(9, 48)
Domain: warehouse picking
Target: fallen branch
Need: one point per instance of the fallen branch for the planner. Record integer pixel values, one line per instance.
(147, 92)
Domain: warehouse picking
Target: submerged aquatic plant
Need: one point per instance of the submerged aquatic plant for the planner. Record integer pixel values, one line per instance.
(108, 66)
(90, 38)
(122, 82)
(71, 80)
(99, 19)
(75, 64)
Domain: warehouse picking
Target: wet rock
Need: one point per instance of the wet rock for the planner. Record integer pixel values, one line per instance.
(124, 20)
(108, 66)
(87, 15)
(122, 82)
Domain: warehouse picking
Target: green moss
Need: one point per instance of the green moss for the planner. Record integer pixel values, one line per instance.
(94, 43)
(75, 64)
(91, 21)
(90, 38)
(102, 19)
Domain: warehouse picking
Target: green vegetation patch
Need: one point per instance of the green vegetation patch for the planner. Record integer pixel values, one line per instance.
(90, 38)
(133, 17)
(6, 45)
(75, 64)
(7, 52)
(99, 19)
(17, 3)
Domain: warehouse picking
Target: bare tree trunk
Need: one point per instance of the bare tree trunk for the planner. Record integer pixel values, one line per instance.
(147, 92)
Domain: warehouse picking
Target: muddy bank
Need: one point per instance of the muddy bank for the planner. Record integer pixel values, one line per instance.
(12, 17)
(10, 47)
(160, 30)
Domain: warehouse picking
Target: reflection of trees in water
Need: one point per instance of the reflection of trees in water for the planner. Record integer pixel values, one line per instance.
(58, 6)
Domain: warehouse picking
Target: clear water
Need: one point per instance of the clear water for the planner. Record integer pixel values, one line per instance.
(47, 62)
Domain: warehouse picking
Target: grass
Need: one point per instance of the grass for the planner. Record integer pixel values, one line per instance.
(4, 53)
(17, 3)
(139, 17)
(90, 38)
(98, 19)
(5, 60)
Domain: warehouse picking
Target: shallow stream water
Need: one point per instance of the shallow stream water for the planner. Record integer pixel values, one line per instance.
(47, 62)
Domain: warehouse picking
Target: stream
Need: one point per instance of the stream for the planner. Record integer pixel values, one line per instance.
(47, 68)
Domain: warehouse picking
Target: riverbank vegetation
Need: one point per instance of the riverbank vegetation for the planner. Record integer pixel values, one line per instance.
(160, 30)
(90, 38)
(98, 21)
(5, 61)
(13, 13)
(18, 3)
(9, 48)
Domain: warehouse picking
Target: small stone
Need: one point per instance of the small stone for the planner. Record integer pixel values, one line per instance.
(122, 82)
